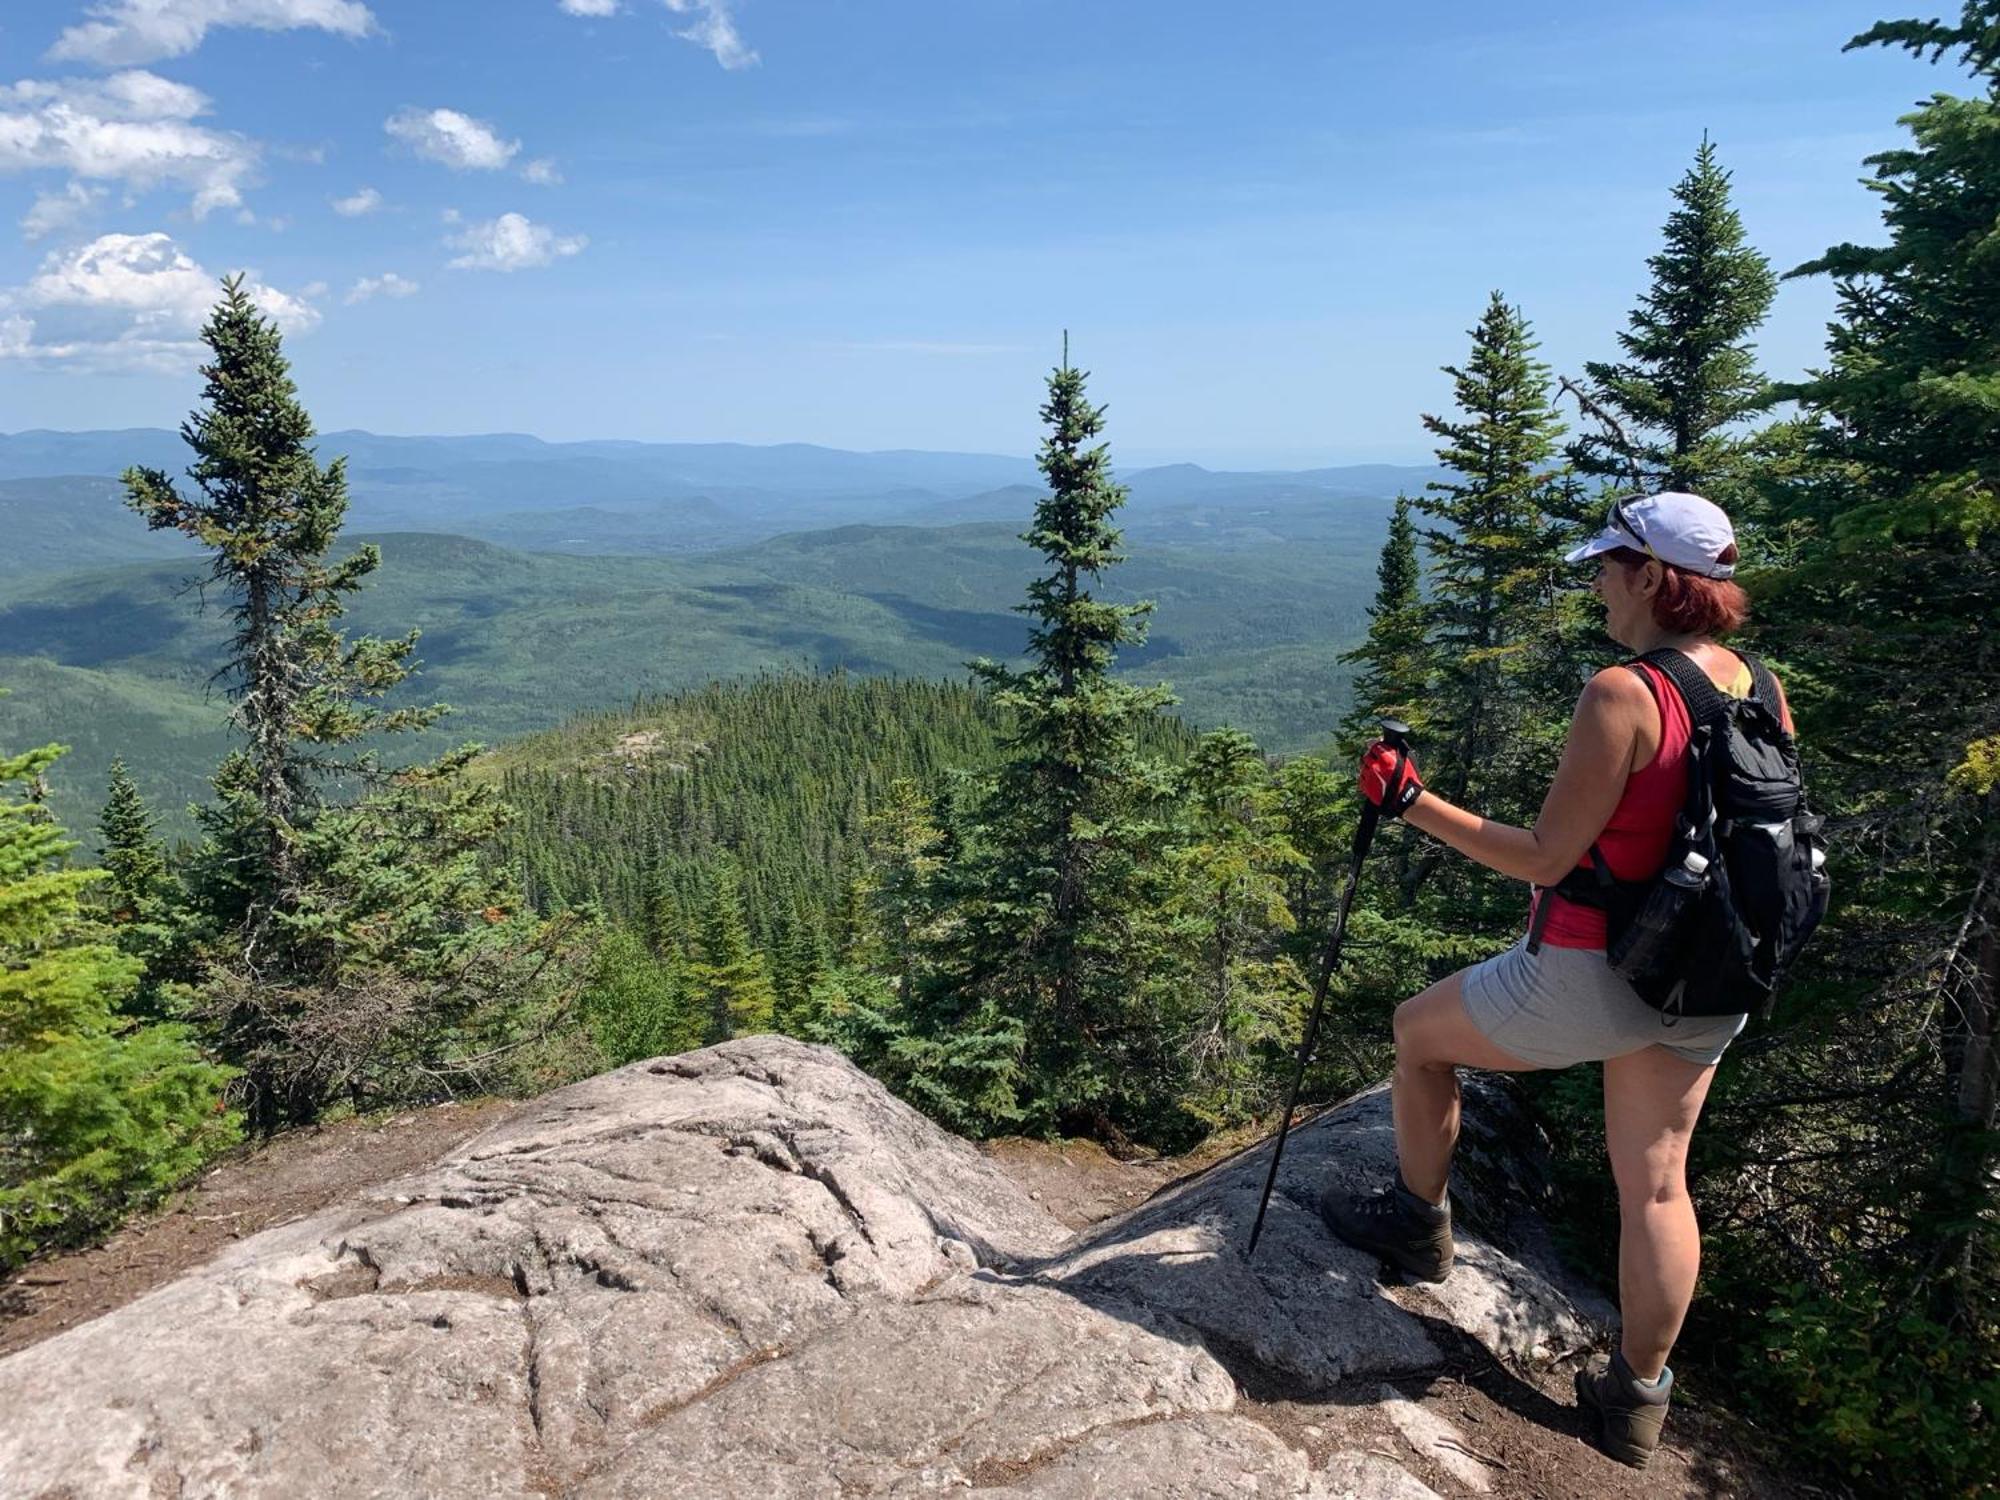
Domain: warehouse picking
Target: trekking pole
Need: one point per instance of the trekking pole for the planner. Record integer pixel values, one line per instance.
(1396, 735)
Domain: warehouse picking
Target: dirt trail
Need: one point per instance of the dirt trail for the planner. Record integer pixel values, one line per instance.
(1515, 1431)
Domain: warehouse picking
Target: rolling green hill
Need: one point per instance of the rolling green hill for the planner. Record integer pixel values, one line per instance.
(518, 641)
(72, 521)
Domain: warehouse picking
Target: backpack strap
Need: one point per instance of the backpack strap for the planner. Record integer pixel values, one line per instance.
(1705, 702)
(1763, 686)
(1578, 887)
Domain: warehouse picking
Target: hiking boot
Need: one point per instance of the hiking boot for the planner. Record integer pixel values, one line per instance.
(1393, 1222)
(1629, 1415)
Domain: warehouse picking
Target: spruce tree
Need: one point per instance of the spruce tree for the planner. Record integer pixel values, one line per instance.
(140, 897)
(635, 1004)
(1055, 893)
(898, 912)
(1495, 564)
(1689, 373)
(96, 1113)
(1238, 998)
(269, 511)
(1893, 614)
(346, 946)
(1393, 657)
(729, 982)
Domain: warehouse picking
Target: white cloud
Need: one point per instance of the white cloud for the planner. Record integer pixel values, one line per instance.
(125, 302)
(388, 284)
(511, 243)
(710, 26)
(135, 128)
(122, 32)
(354, 205)
(542, 173)
(51, 212)
(457, 140)
(714, 29)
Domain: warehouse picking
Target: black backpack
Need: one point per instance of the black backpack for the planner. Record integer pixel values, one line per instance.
(1745, 882)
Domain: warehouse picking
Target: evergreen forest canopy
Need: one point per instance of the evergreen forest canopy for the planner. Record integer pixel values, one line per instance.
(1039, 902)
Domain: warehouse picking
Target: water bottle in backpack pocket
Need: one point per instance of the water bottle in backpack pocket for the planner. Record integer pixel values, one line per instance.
(1649, 928)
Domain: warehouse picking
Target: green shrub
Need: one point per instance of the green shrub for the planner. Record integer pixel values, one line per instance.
(1888, 1397)
(96, 1114)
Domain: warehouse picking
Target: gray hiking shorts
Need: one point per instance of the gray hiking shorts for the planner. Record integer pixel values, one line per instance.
(1564, 1006)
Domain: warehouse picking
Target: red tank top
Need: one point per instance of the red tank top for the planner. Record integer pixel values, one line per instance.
(1634, 843)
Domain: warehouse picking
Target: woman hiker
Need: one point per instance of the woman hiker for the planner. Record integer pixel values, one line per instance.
(1664, 565)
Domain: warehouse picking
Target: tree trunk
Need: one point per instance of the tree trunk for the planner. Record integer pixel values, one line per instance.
(1968, 1158)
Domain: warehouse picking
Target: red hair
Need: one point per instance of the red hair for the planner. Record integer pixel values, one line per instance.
(1689, 604)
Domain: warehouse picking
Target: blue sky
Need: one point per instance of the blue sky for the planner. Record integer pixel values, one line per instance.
(866, 224)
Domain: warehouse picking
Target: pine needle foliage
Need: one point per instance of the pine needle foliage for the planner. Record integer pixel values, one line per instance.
(140, 899)
(351, 936)
(1394, 657)
(1053, 879)
(1491, 617)
(1689, 374)
(97, 1113)
(1235, 999)
(302, 696)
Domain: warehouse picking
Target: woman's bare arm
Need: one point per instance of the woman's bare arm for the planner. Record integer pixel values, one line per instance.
(1596, 761)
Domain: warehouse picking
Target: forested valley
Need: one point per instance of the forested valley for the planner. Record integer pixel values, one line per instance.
(1034, 900)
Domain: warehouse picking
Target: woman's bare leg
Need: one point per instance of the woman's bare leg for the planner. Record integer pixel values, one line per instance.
(1434, 1039)
(1651, 1102)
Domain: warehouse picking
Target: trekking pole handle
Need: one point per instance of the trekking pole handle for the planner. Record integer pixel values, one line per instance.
(1396, 735)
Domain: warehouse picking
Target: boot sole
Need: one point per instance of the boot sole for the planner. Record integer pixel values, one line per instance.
(1628, 1454)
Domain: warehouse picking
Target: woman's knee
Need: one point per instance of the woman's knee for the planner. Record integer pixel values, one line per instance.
(1418, 1035)
(1651, 1180)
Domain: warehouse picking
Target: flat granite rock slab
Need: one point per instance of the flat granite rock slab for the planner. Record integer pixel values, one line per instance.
(1307, 1310)
(1208, 1457)
(520, 1307)
(749, 1271)
(1368, 1476)
(978, 1374)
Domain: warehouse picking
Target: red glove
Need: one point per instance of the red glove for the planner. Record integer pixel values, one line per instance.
(1377, 766)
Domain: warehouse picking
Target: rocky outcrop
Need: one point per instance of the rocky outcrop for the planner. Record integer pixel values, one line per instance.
(749, 1271)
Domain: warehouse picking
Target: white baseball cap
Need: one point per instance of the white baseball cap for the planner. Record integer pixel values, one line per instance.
(1672, 527)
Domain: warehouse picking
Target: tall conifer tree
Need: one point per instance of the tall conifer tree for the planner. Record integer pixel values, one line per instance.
(1055, 915)
(140, 897)
(1689, 373)
(1239, 998)
(269, 511)
(729, 981)
(1894, 612)
(1393, 658)
(347, 945)
(1494, 569)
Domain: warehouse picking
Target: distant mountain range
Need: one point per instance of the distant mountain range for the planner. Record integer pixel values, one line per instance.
(553, 577)
(59, 496)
